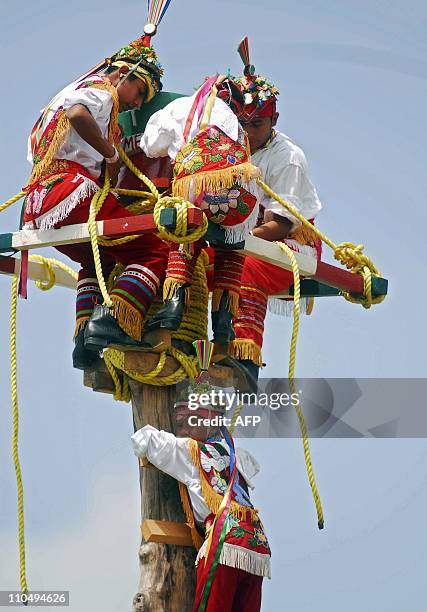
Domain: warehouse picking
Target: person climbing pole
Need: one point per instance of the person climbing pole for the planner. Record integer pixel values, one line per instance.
(284, 168)
(203, 459)
(71, 146)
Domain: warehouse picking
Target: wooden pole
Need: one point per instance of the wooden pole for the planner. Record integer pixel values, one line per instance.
(168, 577)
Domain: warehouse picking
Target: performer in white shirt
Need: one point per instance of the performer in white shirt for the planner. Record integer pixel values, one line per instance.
(203, 467)
(69, 147)
(284, 168)
(212, 169)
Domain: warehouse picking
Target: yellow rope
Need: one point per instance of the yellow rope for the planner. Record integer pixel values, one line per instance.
(291, 376)
(347, 253)
(15, 451)
(51, 264)
(11, 201)
(236, 415)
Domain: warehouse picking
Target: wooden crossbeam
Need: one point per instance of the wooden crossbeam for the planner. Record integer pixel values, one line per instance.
(111, 228)
(323, 273)
(36, 271)
(166, 532)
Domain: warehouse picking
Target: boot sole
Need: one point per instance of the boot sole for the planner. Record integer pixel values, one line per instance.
(159, 340)
(99, 344)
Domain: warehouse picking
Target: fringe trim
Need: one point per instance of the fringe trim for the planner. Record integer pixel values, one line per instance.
(44, 166)
(237, 233)
(213, 499)
(62, 210)
(188, 511)
(213, 180)
(285, 307)
(232, 303)
(246, 349)
(304, 235)
(296, 246)
(128, 317)
(80, 324)
(247, 560)
(171, 286)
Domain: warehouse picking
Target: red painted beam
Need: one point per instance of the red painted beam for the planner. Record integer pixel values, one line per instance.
(143, 224)
(338, 278)
(7, 265)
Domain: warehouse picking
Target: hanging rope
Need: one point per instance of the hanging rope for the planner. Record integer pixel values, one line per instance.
(51, 264)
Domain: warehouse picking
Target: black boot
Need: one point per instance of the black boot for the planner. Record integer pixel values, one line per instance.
(102, 331)
(170, 314)
(246, 371)
(222, 322)
(82, 358)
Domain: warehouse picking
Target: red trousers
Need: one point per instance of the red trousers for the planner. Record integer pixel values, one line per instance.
(233, 590)
(259, 280)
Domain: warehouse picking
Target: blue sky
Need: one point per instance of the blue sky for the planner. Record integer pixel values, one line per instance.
(352, 77)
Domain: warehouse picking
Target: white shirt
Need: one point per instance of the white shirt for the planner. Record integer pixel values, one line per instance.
(99, 103)
(284, 168)
(164, 133)
(171, 455)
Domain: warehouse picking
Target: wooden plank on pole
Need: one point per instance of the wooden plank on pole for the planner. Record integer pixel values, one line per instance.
(111, 228)
(166, 532)
(271, 253)
(36, 271)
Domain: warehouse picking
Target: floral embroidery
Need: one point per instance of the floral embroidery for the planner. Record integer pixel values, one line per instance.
(189, 158)
(219, 484)
(214, 460)
(225, 202)
(210, 150)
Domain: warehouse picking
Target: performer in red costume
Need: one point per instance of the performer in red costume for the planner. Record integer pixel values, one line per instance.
(284, 168)
(200, 458)
(70, 146)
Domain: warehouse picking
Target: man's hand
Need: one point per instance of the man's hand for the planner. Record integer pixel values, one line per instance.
(276, 227)
(113, 171)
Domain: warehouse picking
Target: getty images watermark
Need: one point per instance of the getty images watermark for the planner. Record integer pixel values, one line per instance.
(332, 407)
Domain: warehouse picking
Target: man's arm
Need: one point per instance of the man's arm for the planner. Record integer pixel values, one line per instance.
(87, 128)
(165, 451)
(276, 227)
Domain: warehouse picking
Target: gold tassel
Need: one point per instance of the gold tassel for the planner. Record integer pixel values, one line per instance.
(213, 180)
(213, 499)
(188, 511)
(171, 286)
(80, 324)
(49, 165)
(304, 235)
(128, 317)
(246, 349)
(232, 304)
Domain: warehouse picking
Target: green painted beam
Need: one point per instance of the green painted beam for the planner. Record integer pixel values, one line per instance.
(6, 243)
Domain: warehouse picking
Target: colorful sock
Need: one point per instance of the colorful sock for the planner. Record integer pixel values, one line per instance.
(180, 269)
(132, 294)
(249, 325)
(88, 294)
(228, 268)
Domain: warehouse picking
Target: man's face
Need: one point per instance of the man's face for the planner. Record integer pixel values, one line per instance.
(131, 94)
(196, 427)
(259, 131)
